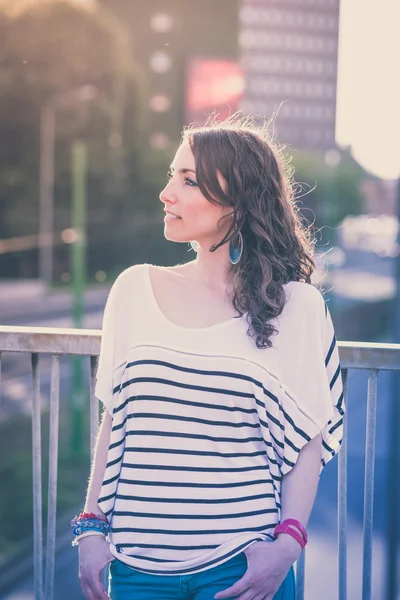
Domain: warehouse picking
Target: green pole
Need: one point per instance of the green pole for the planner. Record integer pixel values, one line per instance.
(78, 281)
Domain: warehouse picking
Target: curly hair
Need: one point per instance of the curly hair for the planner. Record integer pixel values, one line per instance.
(277, 247)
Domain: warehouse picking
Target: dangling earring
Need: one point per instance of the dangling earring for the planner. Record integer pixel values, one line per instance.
(194, 246)
(236, 253)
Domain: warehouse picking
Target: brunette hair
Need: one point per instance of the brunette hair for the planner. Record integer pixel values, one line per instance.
(277, 247)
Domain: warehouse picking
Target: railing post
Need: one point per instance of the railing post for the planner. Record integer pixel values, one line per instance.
(342, 501)
(393, 492)
(369, 483)
(300, 575)
(53, 464)
(37, 481)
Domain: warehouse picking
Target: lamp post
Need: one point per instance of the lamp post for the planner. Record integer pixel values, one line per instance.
(46, 203)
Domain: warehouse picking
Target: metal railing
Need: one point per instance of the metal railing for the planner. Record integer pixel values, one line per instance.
(372, 357)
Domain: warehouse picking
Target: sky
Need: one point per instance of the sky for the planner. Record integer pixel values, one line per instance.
(368, 100)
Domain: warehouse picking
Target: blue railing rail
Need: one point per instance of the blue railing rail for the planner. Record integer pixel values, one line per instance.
(372, 357)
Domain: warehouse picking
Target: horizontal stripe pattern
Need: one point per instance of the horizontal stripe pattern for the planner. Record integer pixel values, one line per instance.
(196, 458)
(205, 426)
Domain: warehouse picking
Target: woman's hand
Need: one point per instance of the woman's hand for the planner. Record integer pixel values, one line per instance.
(268, 564)
(94, 555)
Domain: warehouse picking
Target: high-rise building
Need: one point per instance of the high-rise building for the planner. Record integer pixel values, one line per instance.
(289, 54)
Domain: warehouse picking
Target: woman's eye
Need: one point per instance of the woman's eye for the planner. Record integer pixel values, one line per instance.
(187, 180)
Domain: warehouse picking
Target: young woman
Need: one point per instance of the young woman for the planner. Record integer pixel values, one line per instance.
(222, 388)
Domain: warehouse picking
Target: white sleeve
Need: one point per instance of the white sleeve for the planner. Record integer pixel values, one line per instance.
(332, 432)
(104, 377)
(314, 400)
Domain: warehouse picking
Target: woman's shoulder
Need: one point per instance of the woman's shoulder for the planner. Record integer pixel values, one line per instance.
(304, 296)
(304, 289)
(128, 274)
(124, 284)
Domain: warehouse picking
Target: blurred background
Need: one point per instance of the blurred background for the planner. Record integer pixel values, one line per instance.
(93, 98)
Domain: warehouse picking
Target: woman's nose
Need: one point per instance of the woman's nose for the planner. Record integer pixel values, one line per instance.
(167, 195)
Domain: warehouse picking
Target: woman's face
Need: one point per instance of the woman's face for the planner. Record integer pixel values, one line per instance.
(198, 217)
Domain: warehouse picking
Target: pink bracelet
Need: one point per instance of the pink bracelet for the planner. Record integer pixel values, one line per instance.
(299, 525)
(284, 527)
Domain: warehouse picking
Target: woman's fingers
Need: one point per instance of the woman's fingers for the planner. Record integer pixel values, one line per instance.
(92, 586)
(87, 591)
(94, 556)
(98, 590)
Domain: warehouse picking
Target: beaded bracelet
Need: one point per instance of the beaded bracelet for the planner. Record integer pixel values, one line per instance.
(88, 516)
(89, 522)
(75, 541)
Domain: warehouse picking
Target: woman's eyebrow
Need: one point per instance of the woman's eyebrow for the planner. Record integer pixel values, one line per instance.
(184, 170)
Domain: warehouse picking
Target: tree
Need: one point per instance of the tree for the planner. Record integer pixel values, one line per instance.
(48, 49)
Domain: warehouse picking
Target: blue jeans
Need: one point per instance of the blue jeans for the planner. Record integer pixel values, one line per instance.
(126, 583)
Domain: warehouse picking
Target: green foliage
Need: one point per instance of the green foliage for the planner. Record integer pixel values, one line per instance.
(49, 51)
(327, 194)
(55, 47)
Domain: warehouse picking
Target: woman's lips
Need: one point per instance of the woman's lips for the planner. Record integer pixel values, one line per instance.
(171, 218)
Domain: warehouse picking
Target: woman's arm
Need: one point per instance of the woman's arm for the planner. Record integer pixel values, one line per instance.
(99, 464)
(94, 551)
(299, 488)
(268, 564)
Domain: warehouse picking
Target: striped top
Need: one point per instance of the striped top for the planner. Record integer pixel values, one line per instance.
(205, 424)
